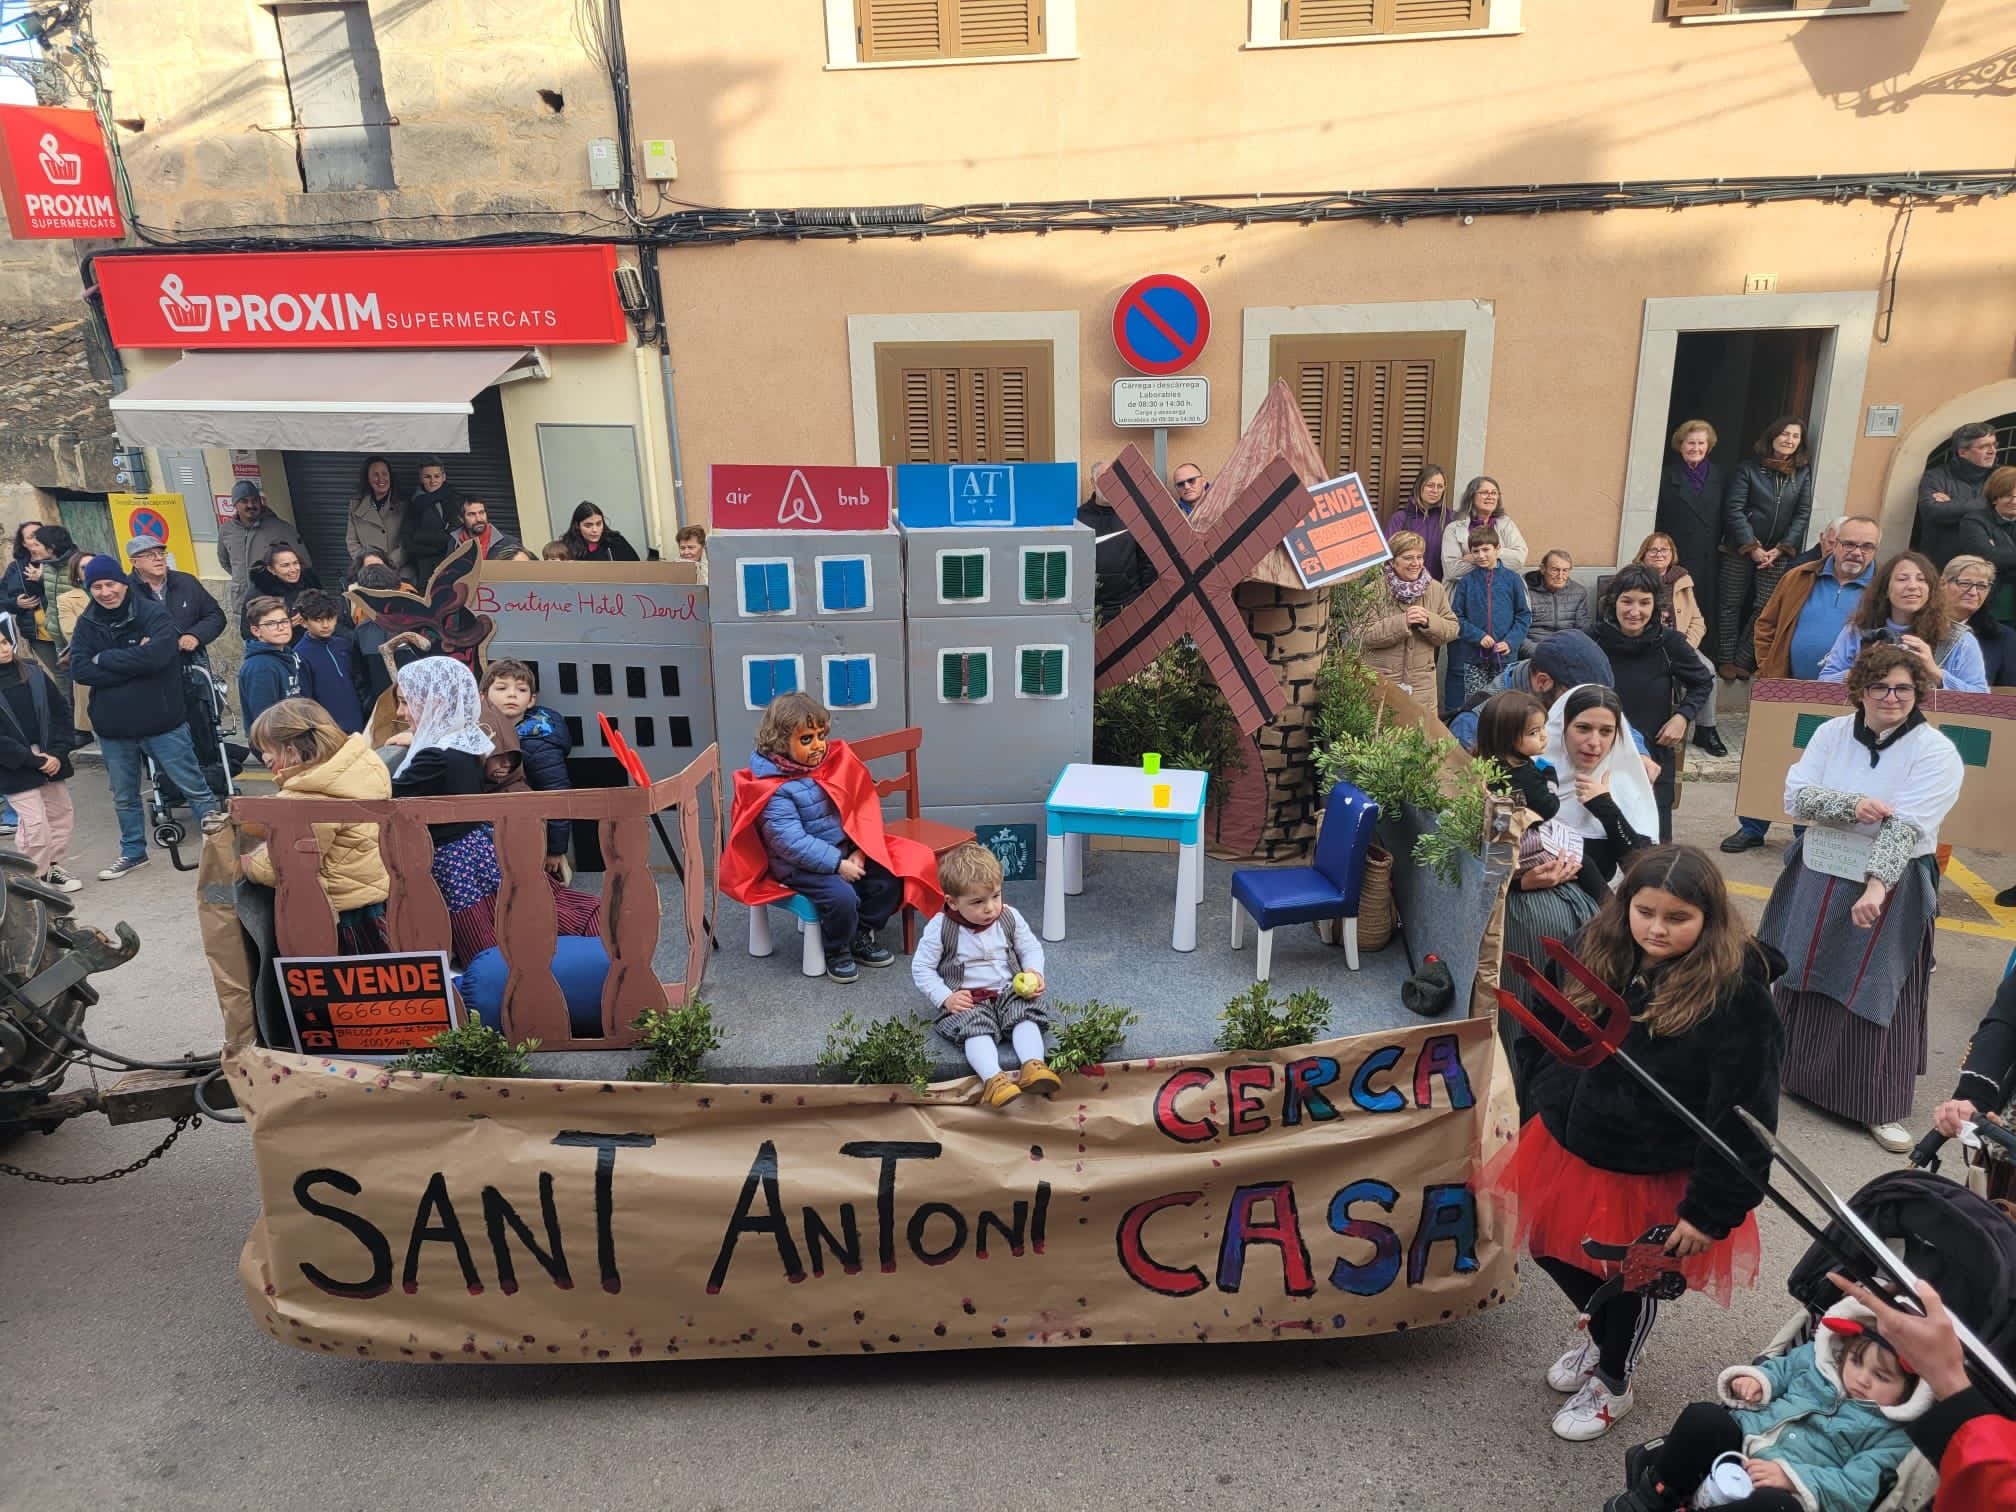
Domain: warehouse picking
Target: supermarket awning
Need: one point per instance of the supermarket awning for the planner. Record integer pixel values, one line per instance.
(317, 401)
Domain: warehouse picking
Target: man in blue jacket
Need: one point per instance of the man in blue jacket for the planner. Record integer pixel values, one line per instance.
(125, 650)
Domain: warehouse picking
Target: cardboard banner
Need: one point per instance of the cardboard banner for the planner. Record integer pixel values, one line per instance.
(1784, 713)
(1340, 537)
(1226, 1198)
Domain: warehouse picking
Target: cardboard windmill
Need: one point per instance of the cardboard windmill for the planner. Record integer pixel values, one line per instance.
(1218, 571)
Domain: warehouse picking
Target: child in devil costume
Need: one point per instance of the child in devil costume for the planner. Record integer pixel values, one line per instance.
(1816, 1429)
(1600, 1161)
(806, 820)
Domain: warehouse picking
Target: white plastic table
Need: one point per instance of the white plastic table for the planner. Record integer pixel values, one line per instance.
(1111, 800)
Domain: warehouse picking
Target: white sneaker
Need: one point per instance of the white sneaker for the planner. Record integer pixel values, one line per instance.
(1567, 1374)
(1894, 1137)
(61, 880)
(1591, 1411)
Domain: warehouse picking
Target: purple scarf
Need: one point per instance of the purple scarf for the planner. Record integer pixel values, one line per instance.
(1403, 591)
(1695, 473)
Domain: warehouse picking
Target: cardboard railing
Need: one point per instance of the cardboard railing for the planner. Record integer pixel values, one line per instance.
(416, 915)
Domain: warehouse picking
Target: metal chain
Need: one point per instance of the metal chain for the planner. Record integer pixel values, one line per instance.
(186, 1121)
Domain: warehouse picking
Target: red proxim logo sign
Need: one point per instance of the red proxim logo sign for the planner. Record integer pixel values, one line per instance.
(55, 175)
(385, 297)
(747, 496)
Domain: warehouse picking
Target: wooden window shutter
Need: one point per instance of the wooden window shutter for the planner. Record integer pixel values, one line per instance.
(1309, 19)
(1380, 406)
(895, 31)
(1675, 9)
(1437, 15)
(965, 402)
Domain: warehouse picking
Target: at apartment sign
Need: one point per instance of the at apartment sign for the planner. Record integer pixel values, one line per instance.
(54, 174)
(388, 297)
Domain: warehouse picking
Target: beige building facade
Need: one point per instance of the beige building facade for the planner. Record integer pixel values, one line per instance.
(1551, 348)
(387, 121)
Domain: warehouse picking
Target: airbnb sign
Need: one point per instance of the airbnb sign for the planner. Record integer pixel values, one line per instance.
(54, 174)
(749, 496)
(386, 297)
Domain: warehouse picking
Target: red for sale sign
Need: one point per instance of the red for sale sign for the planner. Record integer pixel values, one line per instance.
(558, 295)
(748, 496)
(55, 175)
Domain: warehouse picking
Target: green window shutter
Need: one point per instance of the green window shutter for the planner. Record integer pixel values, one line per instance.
(1042, 672)
(963, 576)
(976, 675)
(1044, 576)
(951, 675)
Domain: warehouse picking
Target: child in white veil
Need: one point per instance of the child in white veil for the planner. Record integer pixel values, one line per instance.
(1609, 803)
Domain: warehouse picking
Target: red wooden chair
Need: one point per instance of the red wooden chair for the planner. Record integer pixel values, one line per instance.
(940, 838)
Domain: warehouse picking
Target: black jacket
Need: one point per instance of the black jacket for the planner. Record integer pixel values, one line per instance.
(1986, 534)
(427, 534)
(436, 773)
(14, 584)
(136, 689)
(190, 605)
(1729, 1059)
(33, 713)
(263, 582)
(611, 548)
(1122, 569)
(1767, 508)
(1657, 675)
(1988, 1074)
(545, 743)
(1694, 520)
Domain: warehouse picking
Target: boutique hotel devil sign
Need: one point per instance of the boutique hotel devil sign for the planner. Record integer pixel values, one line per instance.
(557, 295)
(55, 176)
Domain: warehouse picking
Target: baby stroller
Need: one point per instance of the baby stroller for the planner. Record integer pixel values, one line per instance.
(209, 707)
(1960, 1242)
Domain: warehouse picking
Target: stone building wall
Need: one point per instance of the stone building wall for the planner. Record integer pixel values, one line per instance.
(1273, 800)
(193, 82)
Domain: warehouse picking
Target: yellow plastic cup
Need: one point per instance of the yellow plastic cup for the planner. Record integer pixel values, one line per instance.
(1151, 762)
(1160, 795)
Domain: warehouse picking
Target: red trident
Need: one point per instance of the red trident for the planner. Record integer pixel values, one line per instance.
(1196, 571)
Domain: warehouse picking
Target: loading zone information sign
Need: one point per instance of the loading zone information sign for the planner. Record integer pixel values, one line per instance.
(1148, 403)
(367, 1006)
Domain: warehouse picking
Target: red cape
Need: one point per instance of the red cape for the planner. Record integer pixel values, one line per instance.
(745, 862)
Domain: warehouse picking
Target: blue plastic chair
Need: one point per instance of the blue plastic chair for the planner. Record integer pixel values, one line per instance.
(1329, 889)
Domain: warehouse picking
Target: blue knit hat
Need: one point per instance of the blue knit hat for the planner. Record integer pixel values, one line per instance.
(103, 569)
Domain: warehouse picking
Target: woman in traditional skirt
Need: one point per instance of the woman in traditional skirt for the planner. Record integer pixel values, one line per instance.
(446, 759)
(1601, 1162)
(1853, 1000)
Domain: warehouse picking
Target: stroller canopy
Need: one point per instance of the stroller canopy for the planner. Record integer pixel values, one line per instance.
(1963, 1244)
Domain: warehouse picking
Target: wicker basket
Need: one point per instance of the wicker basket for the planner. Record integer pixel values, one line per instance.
(1377, 917)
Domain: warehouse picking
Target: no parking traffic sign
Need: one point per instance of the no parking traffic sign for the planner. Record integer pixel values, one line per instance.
(1161, 324)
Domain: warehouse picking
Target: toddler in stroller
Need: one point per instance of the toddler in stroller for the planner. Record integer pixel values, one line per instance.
(1962, 1245)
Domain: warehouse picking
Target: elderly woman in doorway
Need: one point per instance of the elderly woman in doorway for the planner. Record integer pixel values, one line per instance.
(1965, 584)
(1764, 517)
(1854, 907)
(1483, 504)
(1411, 622)
(1691, 490)
(1902, 606)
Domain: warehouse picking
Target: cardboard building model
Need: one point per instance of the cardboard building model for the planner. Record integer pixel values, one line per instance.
(998, 581)
(811, 602)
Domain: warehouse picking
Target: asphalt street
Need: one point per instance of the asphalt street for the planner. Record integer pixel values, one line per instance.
(131, 1375)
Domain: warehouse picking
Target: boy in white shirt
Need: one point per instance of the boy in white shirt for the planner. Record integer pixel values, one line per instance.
(969, 962)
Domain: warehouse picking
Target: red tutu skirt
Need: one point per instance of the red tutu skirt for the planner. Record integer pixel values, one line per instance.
(1564, 1200)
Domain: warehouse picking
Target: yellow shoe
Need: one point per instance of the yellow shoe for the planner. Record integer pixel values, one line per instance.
(1039, 1079)
(1000, 1090)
